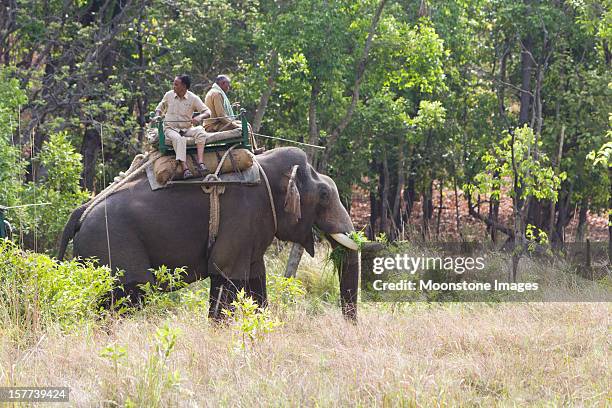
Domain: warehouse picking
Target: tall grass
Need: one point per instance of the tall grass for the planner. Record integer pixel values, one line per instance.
(412, 354)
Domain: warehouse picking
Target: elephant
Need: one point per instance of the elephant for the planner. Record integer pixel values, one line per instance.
(170, 226)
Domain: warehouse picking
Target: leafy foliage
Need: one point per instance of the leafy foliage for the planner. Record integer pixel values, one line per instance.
(518, 172)
(284, 291)
(37, 292)
(442, 82)
(250, 322)
(60, 190)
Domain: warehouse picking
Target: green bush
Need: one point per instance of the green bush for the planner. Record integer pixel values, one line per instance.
(170, 292)
(249, 322)
(57, 184)
(284, 291)
(37, 291)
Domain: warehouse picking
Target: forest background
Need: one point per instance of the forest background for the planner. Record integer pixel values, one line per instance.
(484, 101)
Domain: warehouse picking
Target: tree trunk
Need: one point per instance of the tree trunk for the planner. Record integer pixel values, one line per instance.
(427, 210)
(581, 230)
(359, 73)
(501, 94)
(89, 151)
(374, 213)
(294, 260)
(525, 93)
(457, 216)
(519, 237)
(493, 214)
(409, 197)
(384, 225)
(348, 275)
(440, 207)
(556, 165)
(265, 96)
(400, 184)
(564, 215)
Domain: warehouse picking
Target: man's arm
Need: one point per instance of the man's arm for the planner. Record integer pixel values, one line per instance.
(201, 107)
(161, 107)
(203, 115)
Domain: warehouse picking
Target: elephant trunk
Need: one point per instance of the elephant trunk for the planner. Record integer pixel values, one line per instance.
(349, 284)
(348, 271)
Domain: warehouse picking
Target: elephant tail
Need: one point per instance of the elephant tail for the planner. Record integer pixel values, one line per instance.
(70, 230)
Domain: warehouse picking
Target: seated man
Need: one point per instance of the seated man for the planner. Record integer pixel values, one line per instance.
(178, 106)
(221, 112)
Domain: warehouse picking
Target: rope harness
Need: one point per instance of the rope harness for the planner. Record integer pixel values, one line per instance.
(263, 173)
(215, 192)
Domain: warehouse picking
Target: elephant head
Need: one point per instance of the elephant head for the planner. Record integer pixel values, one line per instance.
(308, 199)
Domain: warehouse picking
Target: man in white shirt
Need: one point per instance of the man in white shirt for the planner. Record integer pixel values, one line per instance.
(178, 106)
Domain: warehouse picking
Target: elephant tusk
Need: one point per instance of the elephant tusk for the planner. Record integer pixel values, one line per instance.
(345, 241)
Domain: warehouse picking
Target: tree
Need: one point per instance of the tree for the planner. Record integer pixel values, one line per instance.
(511, 166)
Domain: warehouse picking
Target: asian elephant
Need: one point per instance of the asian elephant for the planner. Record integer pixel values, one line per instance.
(147, 229)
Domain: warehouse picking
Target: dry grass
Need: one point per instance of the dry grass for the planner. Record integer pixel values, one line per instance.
(475, 354)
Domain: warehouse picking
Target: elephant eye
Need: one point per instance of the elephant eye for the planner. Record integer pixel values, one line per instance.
(324, 196)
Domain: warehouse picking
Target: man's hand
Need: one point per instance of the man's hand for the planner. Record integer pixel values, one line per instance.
(198, 119)
(156, 117)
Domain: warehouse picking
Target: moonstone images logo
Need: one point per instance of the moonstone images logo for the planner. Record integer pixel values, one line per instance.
(460, 272)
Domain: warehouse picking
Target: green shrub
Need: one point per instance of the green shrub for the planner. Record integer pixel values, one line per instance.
(12, 166)
(36, 290)
(250, 322)
(156, 378)
(170, 292)
(284, 291)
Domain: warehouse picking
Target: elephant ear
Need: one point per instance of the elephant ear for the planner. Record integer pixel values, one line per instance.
(292, 198)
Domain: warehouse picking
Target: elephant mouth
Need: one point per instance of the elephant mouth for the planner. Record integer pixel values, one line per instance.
(344, 240)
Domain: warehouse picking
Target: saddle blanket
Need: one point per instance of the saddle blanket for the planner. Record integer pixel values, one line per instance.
(250, 176)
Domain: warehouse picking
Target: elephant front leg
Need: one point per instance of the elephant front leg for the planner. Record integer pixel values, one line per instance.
(222, 293)
(256, 285)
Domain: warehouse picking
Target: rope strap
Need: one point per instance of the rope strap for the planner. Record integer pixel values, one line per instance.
(263, 173)
(215, 192)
